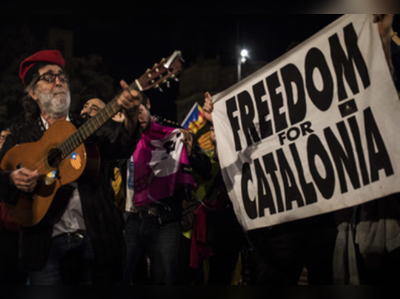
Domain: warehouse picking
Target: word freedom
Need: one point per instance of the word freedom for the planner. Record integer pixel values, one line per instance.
(322, 99)
(330, 158)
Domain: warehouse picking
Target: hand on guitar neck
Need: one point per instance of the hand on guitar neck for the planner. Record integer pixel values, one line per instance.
(61, 156)
(26, 180)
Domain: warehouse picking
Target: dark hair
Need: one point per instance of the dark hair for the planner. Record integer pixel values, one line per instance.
(33, 73)
(31, 109)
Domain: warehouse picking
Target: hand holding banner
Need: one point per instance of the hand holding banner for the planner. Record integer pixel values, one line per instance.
(312, 132)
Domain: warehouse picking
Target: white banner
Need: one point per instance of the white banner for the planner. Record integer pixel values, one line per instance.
(314, 131)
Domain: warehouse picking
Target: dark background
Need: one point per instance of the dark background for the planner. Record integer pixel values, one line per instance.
(128, 44)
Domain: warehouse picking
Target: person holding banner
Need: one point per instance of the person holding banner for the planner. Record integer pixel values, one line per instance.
(368, 243)
(395, 55)
(283, 251)
(390, 43)
(224, 234)
(310, 134)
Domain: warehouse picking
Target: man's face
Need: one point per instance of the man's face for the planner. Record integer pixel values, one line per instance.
(53, 98)
(144, 117)
(92, 106)
(3, 136)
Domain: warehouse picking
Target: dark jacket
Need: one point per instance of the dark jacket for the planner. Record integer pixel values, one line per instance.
(103, 221)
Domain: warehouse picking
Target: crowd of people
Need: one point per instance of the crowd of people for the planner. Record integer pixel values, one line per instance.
(166, 217)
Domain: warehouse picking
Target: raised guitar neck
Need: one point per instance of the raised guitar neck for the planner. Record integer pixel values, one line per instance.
(152, 78)
(91, 126)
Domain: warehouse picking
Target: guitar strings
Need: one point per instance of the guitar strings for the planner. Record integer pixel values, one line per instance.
(89, 127)
(113, 104)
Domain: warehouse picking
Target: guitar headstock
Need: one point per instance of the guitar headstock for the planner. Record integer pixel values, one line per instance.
(161, 72)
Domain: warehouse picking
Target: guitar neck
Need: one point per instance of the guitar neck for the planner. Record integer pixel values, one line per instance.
(91, 126)
(152, 78)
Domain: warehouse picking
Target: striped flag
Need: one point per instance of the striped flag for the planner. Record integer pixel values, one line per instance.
(195, 120)
(198, 124)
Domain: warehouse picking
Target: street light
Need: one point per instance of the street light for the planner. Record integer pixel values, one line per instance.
(244, 54)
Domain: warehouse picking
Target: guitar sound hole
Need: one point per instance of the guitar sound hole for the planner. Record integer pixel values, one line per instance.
(54, 158)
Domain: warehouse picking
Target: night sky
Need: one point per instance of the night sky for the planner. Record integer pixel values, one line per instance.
(129, 44)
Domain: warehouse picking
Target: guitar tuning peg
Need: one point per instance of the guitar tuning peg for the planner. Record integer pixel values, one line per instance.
(175, 78)
(159, 88)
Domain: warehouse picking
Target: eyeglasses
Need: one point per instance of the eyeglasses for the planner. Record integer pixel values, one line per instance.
(50, 77)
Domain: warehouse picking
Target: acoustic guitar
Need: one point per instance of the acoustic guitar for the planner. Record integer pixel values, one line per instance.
(62, 156)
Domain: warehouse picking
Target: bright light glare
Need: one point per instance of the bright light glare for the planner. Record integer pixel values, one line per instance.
(244, 53)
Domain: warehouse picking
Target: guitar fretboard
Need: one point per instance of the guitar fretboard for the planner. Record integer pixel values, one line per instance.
(152, 78)
(88, 128)
(92, 125)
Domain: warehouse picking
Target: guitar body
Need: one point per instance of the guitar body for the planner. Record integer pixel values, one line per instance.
(61, 157)
(54, 171)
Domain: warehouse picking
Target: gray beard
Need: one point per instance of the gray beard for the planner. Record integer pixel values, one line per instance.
(56, 104)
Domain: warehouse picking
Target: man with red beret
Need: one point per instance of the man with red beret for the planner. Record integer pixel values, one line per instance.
(83, 242)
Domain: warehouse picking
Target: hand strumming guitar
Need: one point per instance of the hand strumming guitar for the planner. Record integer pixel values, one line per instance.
(24, 179)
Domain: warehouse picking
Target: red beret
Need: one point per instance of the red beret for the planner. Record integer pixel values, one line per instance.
(45, 56)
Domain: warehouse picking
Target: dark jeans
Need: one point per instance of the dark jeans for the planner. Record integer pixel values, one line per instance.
(11, 273)
(281, 256)
(70, 262)
(380, 269)
(161, 242)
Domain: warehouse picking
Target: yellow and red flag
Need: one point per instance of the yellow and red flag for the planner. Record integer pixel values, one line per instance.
(196, 122)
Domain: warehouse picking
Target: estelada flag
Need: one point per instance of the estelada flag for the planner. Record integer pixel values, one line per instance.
(198, 124)
(161, 164)
(195, 119)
